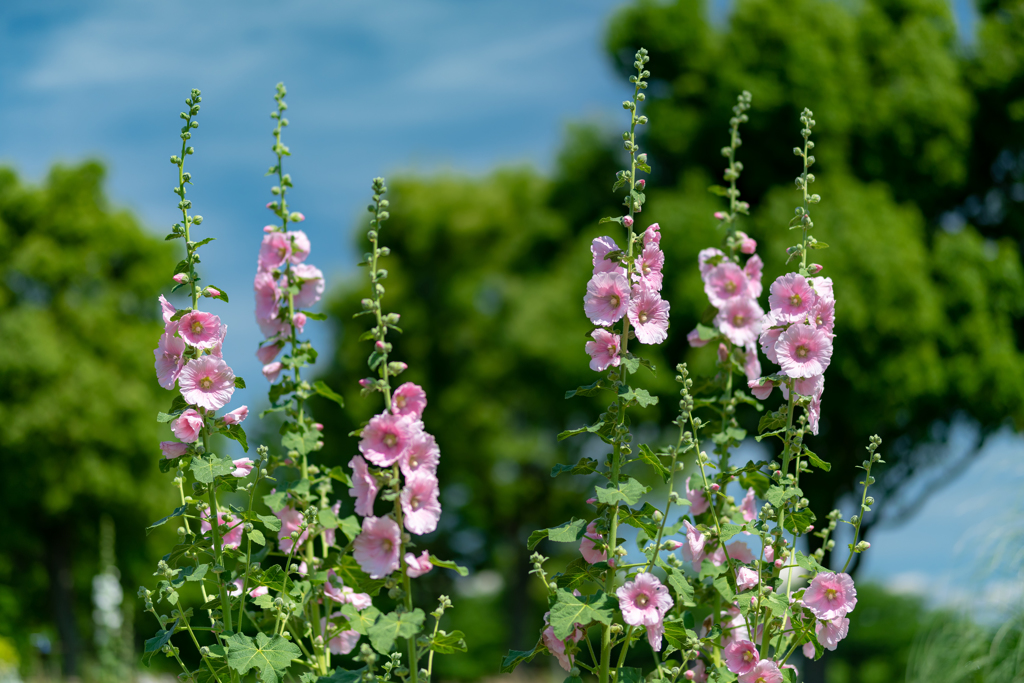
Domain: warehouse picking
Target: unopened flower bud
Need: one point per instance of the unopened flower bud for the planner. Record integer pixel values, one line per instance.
(671, 545)
(211, 292)
(296, 217)
(720, 215)
(689, 675)
(627, 221)
(778, 564)
(640, 184)
(269, 228)
(862, 546)
(814, 268)
(715, 487)
(181, 278)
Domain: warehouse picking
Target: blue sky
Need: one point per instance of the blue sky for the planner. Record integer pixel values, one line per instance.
(375, 88)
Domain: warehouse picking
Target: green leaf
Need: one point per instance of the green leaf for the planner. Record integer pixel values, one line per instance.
(776, 494)
(808, 563)
(239, 383)
(797, 522)
(642, 519)
(274, 501)
(757, 481)
(256, 536)
(596, 427)
(343, 676)
(769, 422)
(723, 587)
(570, 610)
(628, 493)
(156, 643)
(516, 657)
(272, 656)
(315, 316)
(718, 190)
(641, 396)
(448, 643)
(448, 564)
(706, 333)
(303, 439)
(570, 532)
(166, 417)
(207, 468)
(708, 316)
(197, 573)
(236, 433)
(178, 512)
(676, 634)
(649, 457)
(576, 573)
(328, 393)
(350, 527)
(683, 589)
(611, 219)
(339, 474)
(629, 674)
(327, 518)
(587, 390)
(818, 245)
(360, 622)
(270, 521)
(395, 625)
(584, 466)
(816, 461)
(730, 530)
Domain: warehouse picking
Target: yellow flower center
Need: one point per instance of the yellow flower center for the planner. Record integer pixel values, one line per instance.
(795, 300)
(748, 656)
(390, 440)
(205, 383)
(642, 317)
(614, 301)
(730, 286)
(739, 320)
(386, 545)
(831, 593)
(802, 351)
(197, 327)
(415, 503)
(400, 401)
(647, 269)
(413, 462)
(642, 600)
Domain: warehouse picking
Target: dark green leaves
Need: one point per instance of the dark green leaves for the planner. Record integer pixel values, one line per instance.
(179, 511)
(816, 461)
(570, 532)
(207, 468)
(649, 457)
(343, 676)
(448, 564)
(271, 656)
(301, 439)
(239, 383)
(156, 643)
(393, 626)
(236, 433)
(588, 390)
(361, 621)
(639, 396)
(584, 466)
(448, 643)
(628, 493)
(569, 610)
(798, 522)
(328, 393)
(516, 657)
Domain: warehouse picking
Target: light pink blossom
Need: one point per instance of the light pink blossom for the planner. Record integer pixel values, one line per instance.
(648, 313)
(268, 352)
(759, 390)
(693, 337)
(751, 362)
(187, 426)
(601, 247)
(823, 315)
(419, 502)
(739, 319)
(830, 595)
(808, 650)
(377, 548)
(753, 270)
(746, 578)
(181, 278)
(803, 351)
(810, 386)
(299, 321)
(557, 646)
(748, 245)
(200, 329)
(823, 287)
(791, 297)
(649, 266)
(769, 553)
(409, 399)
(207, 382)
(830, 632)
(726, 281)
(770, 336)
(272, 370)
(693, 550)
(708, 259)
(217, 350)
(312, 287)
(416, 567)
(387, 436)
(173, 449)
(644, 602)
(237, 416)
(652, 235)
(337, 591)
(228, 539)
(765, 671)
(698, 674)
(300, 246)
(275, 249)
(627, 221)
(588, 549)
(291, 521)
(422, 455)
(243, 466)
(344, 642)
(604, 350)
(607, 298)
(169, 360)
(814, 414)
(739, 552)
(749, 506)
(168, 310)
(268, 301)
(258, 591)
(698, 502)
(741, 656)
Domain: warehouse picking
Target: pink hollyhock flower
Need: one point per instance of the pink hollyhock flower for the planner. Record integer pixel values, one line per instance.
(387, 436)
(830, 632)
(765, 671)
(739, 552)
(753, 270)
(648, 313)
(344, 642)
(708, 259)
(693, 550)
(169, 362)
(823, 287)
(726, 281)
(556, 646)
(814, 414)
(300, 246)
(672, 545)
(607, 298)
(748, 245)
(200, 329)
(258, 591)
(173, 449)
(376, 550)
(416, 567)
(749, 506)
(603, 351)
(644, 602)
(228, 539)
(181, 278)
(739, 319)
(217, 350)
(336, 590)
(652, 235)
(601, 247)
(649, 267)
(243, 466)
(268, 352)
(693, 337)
(627, 221)
(272, 370)
(291, 521)
(770, 335)
(823, 315)
(734, 628)
(269, 228)
(810, 386)
(830, 595)
(759, 390)
(698, 503)
(275, 249)
(769, 553)
(268, 296)
(422, 455)
(698, 674)
(168, 310)
(588, 549)
(746, 578)
(741, 656)
(237, 416)
(751, 363)
(419, 502)
(312, 287)
(409, 399)
(299, 321)
(207, 382)
(791, 297)
(808, 650)
(187, 426)
(803, 351)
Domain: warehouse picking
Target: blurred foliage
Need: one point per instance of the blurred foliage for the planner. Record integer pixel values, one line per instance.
(956, 650)
(78, 320)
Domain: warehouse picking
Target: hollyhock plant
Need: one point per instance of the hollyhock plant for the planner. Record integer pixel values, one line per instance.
(648, 313)
(708, 259)
(804, 351)
(275, 249)
(200, 329)
(644, 602)
(746, 578)
(741, 656)
(418, 566)
(344, 642)
(291, 522)
(831, 631)
(272, 370)
(300, 246)
(268, 352)
(739, 319)
(422, 455)
(173, 449)
(765, 671)
(231, 537)
(188, 426)
(791, 297)
(377, 549)
(607, 298)
(749, 506)
(243, 467)
(312, 287)
(830, 595)
(364, 486)
(419, 502)
(649, 266)
(588, 549)
(169, 360)
(207, 382)
(698, 501)
(600, 248)
(604, 350)
(409, 399)
(557, 646)
(387, 436)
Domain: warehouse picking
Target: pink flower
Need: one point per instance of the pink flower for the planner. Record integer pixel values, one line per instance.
(387, 436)
(211, 292)
(627, 221)
(698, 503)
(823, 314)
(726, 281)
(336, 590)
(200, 329)
(823, 287)
(708, 259)
(831, 595)
(168, 310)
(648, 313)
(300, 246)
(739, 319)
(344, 642)
(588, 549)
(556, 646)
(803, 351)
(672, 545)
(312, 285)
(419, 502)
(601, 247)
(748, 245)
(169, 362)
(272, 370)
(269, 228)
(207, 382)
(173, 449)
(644, 602)
(693, 337)
(228, 539)
(649, 266)
(217, 350)
(258, 591)
(808, 650)
(810, 386)
(765, 671)
(237, 416)
(749, 506)
(814, 414)
(299, 321)
(652, 235)
(181, 278)
(698, 674)
(739, 552)
(268, 299)
(751, 363)
(759, 390)
(243, 466)
(769, 553)
(830, 632)
(607, 298)
(364, 486)
(275, 249)
(268, 352)
(409, 399)
(791, 298)
(376, 550)
(746, 578)
(741, 656)
(753, 270)
(693, 550)
(416, 567)
(187, 426)
(291, 521)
(604, 350)
(297, 216)
(421, 456)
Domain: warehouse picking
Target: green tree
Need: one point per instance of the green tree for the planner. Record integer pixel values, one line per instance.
(78, 320)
